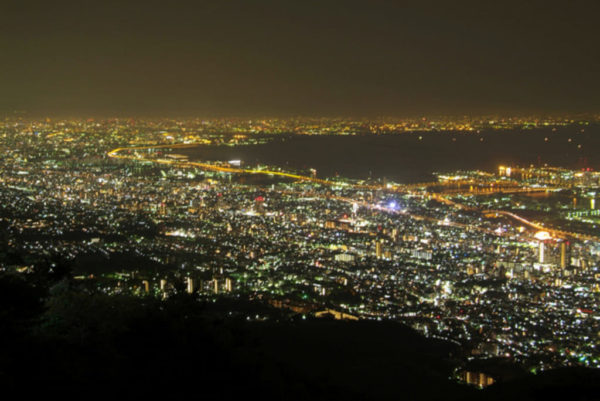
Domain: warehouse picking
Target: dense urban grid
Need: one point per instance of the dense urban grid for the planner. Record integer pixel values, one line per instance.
(504, 264)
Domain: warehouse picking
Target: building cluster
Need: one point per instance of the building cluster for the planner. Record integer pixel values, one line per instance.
(450, 265)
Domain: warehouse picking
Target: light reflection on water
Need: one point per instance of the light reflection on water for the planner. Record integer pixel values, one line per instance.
(406, 158)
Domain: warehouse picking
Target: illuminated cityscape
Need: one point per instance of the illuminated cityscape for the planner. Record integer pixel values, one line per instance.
(300, 200)
(503, 263)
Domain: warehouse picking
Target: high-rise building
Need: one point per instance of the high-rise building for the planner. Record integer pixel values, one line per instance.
(565, 256)
(190, 285)
(378, 249)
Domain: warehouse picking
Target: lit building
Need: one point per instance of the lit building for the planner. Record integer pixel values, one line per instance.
(344, 257)
(478, 379)
(565, 256)
(378, 249)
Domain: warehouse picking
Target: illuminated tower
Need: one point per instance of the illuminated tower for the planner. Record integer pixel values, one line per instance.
(542, 236)
(190, 285)
(378, 249)
(163, 288)
(259, 205)
(564, 254)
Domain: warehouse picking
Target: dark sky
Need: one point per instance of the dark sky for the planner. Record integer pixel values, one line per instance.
(269, 58)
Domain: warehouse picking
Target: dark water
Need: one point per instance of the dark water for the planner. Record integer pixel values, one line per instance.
(406, 158)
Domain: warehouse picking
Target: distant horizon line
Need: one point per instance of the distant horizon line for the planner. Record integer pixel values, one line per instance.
(18, 114)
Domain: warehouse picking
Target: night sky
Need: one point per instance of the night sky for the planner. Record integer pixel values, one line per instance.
(288, 58)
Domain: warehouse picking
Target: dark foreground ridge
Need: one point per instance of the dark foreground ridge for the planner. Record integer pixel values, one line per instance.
(60, 340)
